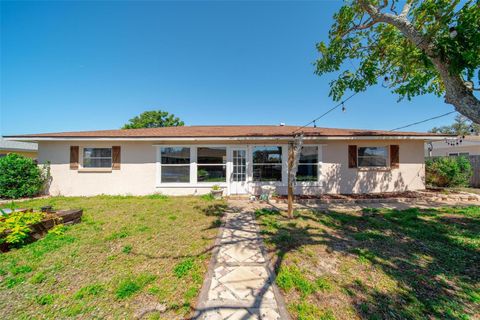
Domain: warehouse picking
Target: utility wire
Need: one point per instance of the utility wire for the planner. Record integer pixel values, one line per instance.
(351, 96)
(415, 123)
(325, 113)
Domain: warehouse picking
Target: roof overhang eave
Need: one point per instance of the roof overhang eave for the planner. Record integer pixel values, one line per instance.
(241, 138)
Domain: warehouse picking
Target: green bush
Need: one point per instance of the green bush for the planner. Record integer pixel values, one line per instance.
(448, 172)
(18, 225)
(19, 177)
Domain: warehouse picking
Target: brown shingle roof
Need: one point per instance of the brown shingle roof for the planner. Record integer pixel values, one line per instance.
(221, 131)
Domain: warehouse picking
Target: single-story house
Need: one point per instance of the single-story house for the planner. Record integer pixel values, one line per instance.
(454, 146)
(25, 149)
(240, 159)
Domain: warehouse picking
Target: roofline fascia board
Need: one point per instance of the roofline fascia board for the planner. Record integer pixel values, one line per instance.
(19, 138)
(18, 150)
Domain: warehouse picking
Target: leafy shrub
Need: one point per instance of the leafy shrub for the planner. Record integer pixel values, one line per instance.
(20, 177)
(448, 171)
(17, 223)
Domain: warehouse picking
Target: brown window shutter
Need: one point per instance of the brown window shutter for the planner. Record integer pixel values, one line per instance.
(394, 156)
(74, 151)
(352, 156)
(116, 159)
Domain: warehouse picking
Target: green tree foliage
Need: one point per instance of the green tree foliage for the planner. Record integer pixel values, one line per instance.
(429, 46)
(461, 126)
(153, 119)
(448, 171)
(19, 177)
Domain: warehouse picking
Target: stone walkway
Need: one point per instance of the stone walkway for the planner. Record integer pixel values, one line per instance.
(239, 284)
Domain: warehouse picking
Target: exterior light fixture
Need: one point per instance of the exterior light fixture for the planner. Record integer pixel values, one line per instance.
(453, 32)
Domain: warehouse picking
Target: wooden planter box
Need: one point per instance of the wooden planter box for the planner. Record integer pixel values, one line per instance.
(40, 229)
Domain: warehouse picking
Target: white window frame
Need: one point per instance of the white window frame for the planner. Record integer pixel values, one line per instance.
(318, 164)
(459, 154)
(160, 165)
(95, 168)
(193, 166)
(212, 164)
(387, 158)
(283, 164)
(249, 147)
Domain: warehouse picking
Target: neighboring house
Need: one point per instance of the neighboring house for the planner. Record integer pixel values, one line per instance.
(241, 159)
(469, 146)
(23, 148)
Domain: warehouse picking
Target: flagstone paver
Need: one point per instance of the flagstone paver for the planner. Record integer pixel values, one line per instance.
(239, 284)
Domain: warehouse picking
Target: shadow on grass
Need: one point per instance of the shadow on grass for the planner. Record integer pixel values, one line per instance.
(432, 254)
(216, 209)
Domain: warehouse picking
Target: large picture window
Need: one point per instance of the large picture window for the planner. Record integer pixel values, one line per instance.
(175, 162)
(308, 164)
(372, 157)
(211, 164)
(267, 163)
(97, 157)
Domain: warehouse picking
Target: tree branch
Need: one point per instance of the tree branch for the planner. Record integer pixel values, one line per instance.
(456, 92)
(400, 23)
(406, 9)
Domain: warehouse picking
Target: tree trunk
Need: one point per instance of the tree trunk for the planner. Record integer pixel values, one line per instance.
(457, 94)
(291, 159)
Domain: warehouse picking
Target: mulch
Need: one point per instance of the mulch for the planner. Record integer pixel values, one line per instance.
(383, 195)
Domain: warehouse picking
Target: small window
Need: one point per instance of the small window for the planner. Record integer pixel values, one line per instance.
(175, 164)
(308, 164)
(461, 154)
(211, 164)
(97, 157)
(267, 163)
(372, 157)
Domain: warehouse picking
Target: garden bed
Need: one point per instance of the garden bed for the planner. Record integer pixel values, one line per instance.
(384, 197)
(40, 229)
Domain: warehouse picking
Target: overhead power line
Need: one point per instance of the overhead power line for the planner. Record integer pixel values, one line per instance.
(326, 112)
(426, 120)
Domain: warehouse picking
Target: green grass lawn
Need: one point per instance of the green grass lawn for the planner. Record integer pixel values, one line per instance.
(128, 255)
(377, 264)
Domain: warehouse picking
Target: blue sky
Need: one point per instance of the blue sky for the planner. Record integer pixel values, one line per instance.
(69, 66)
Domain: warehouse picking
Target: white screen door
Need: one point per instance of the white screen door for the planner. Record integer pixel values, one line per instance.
(238, 179)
